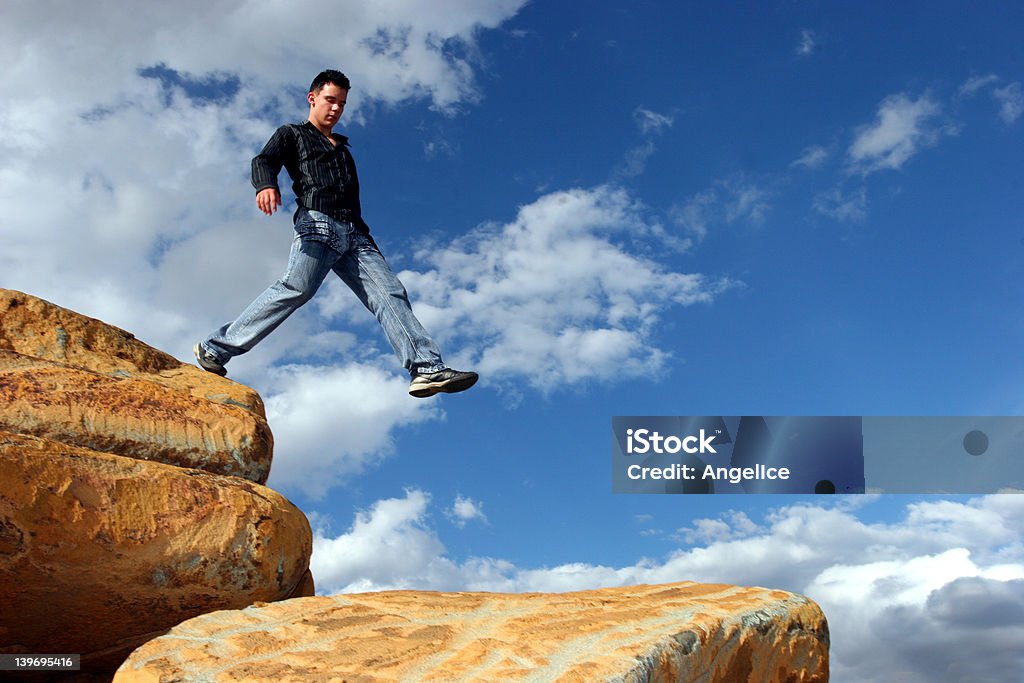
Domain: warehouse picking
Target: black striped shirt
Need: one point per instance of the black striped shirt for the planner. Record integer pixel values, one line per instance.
(323, 175)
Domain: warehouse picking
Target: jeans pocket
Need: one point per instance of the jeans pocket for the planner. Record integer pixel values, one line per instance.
(315, 226)
(312, 229)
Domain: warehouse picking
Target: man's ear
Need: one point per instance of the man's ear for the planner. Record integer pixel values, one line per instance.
(311, 98)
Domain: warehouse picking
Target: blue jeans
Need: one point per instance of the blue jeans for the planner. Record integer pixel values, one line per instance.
(323, 244)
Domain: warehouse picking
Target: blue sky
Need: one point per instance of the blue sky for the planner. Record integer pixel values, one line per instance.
(646, 208)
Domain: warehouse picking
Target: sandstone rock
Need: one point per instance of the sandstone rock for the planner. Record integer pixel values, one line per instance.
(99, 552)
(35, 327)
(305, 588)
(676, 632)
(131, 417)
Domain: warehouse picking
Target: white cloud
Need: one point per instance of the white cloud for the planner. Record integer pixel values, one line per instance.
(727, 201)
(398, 48)
(465, 510)
(553, 297)
(808, 41)
(842, 207)
(634, 162)
(902, 128)
(438, 147)
(133, 206)
(929, 639)
(153, 178)
(1011, 101)
(975, 83)
(749, 203)
(650, 122)
(387, 547)
(898, 595)
(154, 201)
(735, 525)
(1009, 98)
(696, 213)
(812, 157)
(332, 422)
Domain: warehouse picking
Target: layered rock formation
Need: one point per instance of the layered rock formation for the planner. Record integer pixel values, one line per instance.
(130, 496)
(678, 632)
(74, 379)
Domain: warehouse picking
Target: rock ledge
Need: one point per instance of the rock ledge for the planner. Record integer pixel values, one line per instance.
(676, 632)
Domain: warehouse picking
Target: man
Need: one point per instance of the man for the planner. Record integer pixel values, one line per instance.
(330, 234)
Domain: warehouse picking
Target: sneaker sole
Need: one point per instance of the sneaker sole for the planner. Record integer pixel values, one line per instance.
(219, 370)
(449, 387)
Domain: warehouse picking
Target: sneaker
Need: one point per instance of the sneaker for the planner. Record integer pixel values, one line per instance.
(448, 381)
(208, 362)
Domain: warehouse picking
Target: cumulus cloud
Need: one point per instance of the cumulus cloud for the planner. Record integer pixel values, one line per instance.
(734, 524)
(465, 510)
(894, 593)
(901, 129)
(132, 207)
(388, 546)
(146, 175)
(928, 639)
(129, 209)
(399, 48)
(553, 297)
(332, 422)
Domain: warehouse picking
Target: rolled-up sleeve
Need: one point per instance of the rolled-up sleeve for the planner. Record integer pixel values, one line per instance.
(267, 164)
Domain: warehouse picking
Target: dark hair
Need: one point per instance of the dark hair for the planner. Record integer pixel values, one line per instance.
(329, 76)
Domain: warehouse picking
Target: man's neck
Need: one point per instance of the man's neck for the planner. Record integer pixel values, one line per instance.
(326, 131)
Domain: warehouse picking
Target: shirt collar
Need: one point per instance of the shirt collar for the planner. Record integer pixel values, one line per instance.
(343, 139)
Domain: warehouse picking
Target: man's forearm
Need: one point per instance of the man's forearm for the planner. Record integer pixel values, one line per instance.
(264, 173)
(266, 165)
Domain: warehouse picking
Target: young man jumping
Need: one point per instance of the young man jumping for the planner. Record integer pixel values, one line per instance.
(330, 234)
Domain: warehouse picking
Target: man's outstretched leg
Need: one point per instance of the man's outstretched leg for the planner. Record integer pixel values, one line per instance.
(366, 272)
(308, 265)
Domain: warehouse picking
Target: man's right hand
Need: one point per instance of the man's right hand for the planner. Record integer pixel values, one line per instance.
(268, 199)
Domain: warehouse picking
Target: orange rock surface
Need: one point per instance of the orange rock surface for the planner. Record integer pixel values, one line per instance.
(677, 632)
(34, 327)
(129, 490)
(100, 552)
(131, 417)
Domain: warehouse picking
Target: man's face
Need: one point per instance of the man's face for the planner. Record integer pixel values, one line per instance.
(326, 106)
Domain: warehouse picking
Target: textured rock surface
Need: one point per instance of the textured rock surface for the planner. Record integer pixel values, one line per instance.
(100, 552)
(678, 632)
(35, 327)
(131, 417)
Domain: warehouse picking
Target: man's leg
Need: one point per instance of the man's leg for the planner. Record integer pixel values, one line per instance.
(308, 265)
(368, 275)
